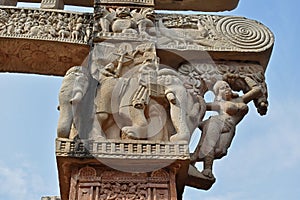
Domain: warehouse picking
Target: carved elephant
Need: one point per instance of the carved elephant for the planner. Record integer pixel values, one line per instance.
(150, 111)
(73, 89)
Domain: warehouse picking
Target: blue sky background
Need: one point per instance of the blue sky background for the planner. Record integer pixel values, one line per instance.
(263, 161)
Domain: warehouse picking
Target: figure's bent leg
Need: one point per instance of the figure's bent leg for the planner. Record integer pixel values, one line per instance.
(210, 137)
(224, 144)
(207, 165)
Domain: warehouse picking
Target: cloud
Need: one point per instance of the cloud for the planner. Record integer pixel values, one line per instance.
(264, 156)
(13, 184)
(21, 182)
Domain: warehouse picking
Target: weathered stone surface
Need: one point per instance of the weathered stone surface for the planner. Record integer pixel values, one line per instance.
(8, 2)
(127, 113)
(201, 5)
(40, 57)
(179, 37)
(52, 4)
(98, 168)
(138, 101)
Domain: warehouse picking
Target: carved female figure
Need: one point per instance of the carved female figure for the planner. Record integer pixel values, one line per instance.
(219, 130)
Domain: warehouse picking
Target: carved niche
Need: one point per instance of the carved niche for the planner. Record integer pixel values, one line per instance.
(102, 183)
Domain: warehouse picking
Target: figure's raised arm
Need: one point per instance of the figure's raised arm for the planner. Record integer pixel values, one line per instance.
(246, 84)
(212, 106)
(254, 92)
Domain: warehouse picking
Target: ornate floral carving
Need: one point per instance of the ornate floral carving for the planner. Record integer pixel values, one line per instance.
(115, 185)
(39, 57)
(87, 173)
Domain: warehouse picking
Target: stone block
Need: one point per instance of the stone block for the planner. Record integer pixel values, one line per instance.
(52, 4)
(8, 2)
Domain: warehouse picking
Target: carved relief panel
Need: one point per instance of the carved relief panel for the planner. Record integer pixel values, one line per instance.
(104, 183)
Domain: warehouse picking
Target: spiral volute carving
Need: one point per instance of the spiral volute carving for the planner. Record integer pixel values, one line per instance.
(244, 33)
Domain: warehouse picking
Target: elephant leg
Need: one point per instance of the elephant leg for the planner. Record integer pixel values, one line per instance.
(178, 112)
(138, 129)
(157, 118)
(100, 121)
(96, 133)
(113, 132)
(65, 121)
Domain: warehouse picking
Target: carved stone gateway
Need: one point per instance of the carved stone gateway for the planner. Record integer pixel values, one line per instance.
(134, 87)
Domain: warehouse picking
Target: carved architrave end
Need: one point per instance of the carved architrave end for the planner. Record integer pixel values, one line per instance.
(222, 37)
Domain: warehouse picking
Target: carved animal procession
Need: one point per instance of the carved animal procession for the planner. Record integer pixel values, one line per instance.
(128, 113)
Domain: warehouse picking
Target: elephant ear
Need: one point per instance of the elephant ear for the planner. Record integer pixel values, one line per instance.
(111, 16)
(136, 15)
(170, 72)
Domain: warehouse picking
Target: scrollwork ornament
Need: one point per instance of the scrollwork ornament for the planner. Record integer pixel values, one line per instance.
(244, 33)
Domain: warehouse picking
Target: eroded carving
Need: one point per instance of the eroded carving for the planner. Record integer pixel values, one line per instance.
(104, 183)
(209, 73)
(143, 100)
(73, 89)
(219, 130)
(139, 102)
(193, 32)
(47, 25)
(136, 22)
(138, 99)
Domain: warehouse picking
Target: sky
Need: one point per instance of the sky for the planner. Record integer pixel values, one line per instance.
(263, 161)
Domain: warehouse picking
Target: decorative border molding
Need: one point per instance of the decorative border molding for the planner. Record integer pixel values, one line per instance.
(45, 24)
(133, 149)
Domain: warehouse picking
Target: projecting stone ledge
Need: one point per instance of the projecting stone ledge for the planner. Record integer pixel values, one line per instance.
(156, 170)
(52, 50)
(197, 5)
